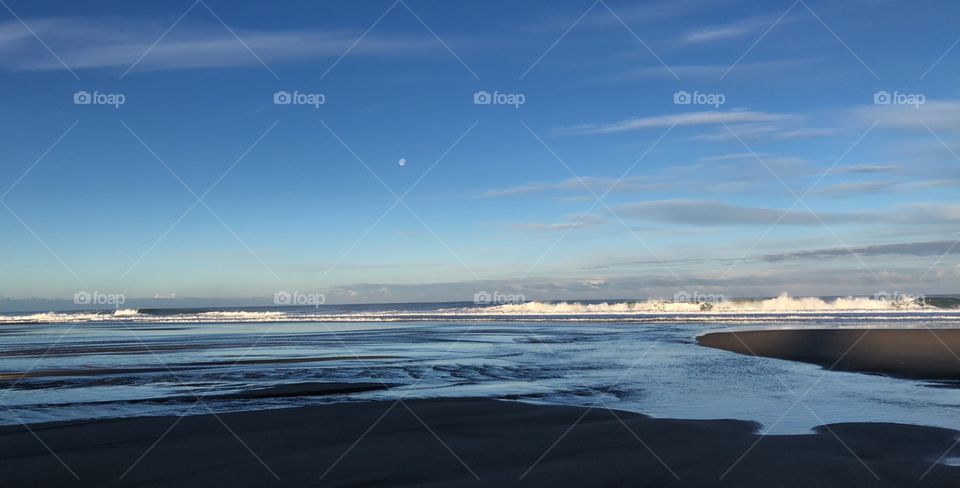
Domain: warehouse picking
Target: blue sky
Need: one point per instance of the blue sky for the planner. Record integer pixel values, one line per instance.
(599, 185)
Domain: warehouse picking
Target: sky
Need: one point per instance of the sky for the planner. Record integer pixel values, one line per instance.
(421, 150)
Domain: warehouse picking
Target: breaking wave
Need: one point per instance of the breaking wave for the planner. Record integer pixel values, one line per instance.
(713, 304)
(707, 309)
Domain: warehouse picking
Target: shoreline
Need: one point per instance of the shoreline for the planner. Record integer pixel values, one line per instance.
(497, 442)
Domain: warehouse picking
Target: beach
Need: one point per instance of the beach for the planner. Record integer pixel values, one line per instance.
(465, 442)
(593, 399)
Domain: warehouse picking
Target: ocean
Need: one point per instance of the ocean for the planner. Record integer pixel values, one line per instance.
(639, 356)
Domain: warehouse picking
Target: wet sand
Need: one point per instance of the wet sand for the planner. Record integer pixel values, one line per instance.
(470, 442)
(286, 390)
(85, 372)
(305, 389)
(905, 353)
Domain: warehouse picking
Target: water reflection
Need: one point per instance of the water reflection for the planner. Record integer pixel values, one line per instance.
(103, 370)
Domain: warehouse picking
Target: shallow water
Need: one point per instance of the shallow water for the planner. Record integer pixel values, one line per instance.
(654, 367)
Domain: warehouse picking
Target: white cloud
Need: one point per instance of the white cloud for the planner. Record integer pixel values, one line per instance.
(766, 132)
(103, 43)
(595, 283)
(679, 120)
(940, 116)
(716, 34)
(927, 184)
(632, 14)
(709, 212)
(710, 72)
(733, 30)
(926, 213)
(574, 222)
(598, 184)
(927, 248)
(865, 168)
(857, 188)
(865, 187)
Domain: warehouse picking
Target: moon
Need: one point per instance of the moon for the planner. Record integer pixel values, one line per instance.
(403, 161)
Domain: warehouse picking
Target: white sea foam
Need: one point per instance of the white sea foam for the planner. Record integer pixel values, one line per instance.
(782, 308)
(50, 317)
(780, 304)
(241, 315)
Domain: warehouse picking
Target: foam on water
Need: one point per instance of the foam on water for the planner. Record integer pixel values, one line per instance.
(782, 303)
(698, 309)
(241, 316)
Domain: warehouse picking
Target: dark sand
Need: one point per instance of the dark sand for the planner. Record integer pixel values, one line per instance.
(905, 353)
(496, 441)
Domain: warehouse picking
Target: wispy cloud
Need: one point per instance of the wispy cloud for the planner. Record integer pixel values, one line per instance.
(938, 115)
(851, 189)
(679, 120)
(857, 188)
(709, 213)
(797, 280)
(732, 30)
(710, 71)
(110, 42)
(865, 168)
(574, 222)
(718, 213)
(924, 213)
(633, 14)
(941, 183)
(598, 184)
(928, 248)
(767, 132)
(716, 33)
